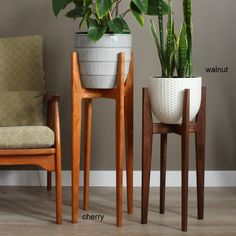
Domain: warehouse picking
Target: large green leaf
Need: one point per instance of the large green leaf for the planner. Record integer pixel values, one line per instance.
(95, 31)
(116, 25)
(153, 7)
(141, 4)
(58, 5)
(103, 7)
(77, 11)
(125, 25)
(137, 13)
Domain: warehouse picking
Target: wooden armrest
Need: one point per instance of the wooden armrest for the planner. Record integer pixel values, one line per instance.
(48, 98)
(53, 116)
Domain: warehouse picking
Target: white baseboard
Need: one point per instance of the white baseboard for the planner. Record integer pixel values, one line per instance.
(107, 178)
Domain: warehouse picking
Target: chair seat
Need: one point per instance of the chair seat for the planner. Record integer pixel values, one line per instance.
(20, 137)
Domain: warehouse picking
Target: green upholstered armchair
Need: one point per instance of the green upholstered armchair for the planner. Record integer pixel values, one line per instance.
(26, 137)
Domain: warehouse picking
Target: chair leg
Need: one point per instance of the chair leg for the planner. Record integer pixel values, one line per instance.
(163, 172)
(58, 188)
(129, 149)
(146, 154)
(76, 137)
(49, 180)
(87, 149)
(185, 160)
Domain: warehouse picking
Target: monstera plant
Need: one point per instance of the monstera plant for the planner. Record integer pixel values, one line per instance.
(175, 55)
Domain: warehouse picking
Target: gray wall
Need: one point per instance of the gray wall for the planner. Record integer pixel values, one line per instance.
(214, 40)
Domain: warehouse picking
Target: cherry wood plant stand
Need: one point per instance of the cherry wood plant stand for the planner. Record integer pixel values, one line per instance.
(198, 128)
(123, 95)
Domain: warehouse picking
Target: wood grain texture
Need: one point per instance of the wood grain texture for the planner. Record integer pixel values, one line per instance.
(159, 128)
(27, 152)
(197, 127)
(49, 180)
(220, 214)
(76, 134)
(200, 154)
(58, 160)
(119, 137)
(46, 162)
(123, 96)
(98, 93)
(146, 153)
(163, 159)
(49, 124)
(87, 149)
(185, 159)
(129, 134)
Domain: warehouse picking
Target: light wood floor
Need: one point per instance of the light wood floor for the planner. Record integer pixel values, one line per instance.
(30, 211)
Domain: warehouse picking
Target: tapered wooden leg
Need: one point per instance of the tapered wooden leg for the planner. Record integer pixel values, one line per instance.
(185, 160)
(119, 162)
(200, 163)
(87, 149)
(76, 137)
(58, 163)
(163, 172)
(49, 180)
(129, 148)
(200, 155)
(146, 153)
(120, 123)
(49, 124)
(185, 165)
(58, 187)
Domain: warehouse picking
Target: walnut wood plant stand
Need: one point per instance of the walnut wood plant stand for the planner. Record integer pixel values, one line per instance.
(198, 128)
(123, 95)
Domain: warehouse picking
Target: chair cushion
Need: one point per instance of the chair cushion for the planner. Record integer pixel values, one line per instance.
(21, 64)
(20, 137)
(24, 108)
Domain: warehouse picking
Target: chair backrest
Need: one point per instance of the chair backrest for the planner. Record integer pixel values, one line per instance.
(21, 81)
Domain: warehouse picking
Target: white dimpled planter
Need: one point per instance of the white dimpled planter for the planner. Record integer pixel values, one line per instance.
(98, 61)
(167, 95)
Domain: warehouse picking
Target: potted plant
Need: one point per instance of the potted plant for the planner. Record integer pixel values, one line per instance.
(175, 54)
(108, 34)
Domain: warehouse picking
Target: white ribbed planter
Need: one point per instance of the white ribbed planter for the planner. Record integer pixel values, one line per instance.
(98, 61)
(167, 95)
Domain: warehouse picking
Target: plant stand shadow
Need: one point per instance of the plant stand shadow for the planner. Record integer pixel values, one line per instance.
(196, 127)
(123, 95)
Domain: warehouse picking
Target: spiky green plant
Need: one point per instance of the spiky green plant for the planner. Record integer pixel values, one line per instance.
(175, 52)
(187, 9)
